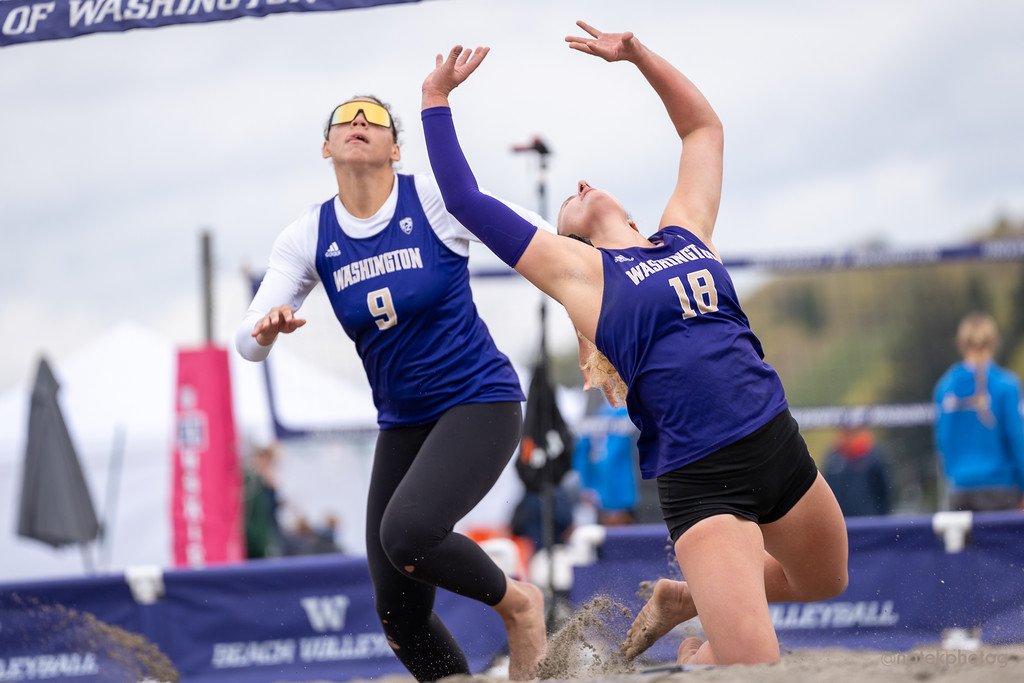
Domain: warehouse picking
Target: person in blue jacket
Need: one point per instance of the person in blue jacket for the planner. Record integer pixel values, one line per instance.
(750, 518)
(979, 433)
(603, 457)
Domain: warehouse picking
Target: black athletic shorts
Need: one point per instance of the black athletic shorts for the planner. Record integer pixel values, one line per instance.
(760, 478)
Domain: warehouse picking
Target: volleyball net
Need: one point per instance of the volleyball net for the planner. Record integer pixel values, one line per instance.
(859, 336)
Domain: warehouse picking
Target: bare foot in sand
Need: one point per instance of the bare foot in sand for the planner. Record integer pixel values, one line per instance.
(688, 649)
(522, 610)
(669, 606)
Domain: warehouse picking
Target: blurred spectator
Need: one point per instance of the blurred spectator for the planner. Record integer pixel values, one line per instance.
(262, 532)
(604, 458)
(306, 539)
(528, 520)
(978, 428)
(858, 474)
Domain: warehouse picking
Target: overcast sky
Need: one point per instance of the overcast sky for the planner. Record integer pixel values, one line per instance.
(845, 122)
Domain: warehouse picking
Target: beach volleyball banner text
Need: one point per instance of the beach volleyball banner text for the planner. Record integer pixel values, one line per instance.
(26, 21)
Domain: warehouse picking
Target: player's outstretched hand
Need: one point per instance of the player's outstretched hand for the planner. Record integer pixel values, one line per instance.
(450, 73)
(279, 319)
(611, 47)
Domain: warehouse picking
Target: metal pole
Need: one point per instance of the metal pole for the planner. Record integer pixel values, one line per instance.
(547, 496)
(106, 540)
(542, 208)
(540, 148)
(207, 283)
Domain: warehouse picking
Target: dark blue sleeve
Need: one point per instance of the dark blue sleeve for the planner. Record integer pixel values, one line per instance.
(505, 232)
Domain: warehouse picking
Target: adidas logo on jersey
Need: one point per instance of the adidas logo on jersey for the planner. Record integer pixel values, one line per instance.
(619, 258)
(332, 251)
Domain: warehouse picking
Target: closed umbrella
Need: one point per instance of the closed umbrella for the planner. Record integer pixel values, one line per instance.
(56, 507)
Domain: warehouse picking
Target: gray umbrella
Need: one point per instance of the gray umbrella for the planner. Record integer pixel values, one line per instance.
(56, 507)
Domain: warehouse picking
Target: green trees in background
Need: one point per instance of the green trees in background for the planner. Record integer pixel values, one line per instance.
(885, 336)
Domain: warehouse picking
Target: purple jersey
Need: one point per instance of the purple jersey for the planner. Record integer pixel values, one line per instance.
(671, 324)
(403, 297)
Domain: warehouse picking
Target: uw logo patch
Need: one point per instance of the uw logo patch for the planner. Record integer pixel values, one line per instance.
(406, 225)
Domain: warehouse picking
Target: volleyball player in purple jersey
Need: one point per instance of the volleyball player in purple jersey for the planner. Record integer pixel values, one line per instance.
(393, 262)
(751, 520)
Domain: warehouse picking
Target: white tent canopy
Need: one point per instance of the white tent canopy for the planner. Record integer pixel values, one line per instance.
(117, 394)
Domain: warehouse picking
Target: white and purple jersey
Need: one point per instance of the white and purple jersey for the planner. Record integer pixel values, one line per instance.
(403, 297)
(671, 324)
(399, 284)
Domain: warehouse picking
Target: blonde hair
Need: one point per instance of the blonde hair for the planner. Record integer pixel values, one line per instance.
(604, 375)
(977, 333)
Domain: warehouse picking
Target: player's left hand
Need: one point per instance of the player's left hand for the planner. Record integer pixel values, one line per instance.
(611, 47)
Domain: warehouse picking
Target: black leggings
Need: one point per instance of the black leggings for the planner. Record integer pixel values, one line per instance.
(425, 479)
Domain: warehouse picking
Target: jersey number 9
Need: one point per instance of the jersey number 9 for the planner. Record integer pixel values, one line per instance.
(382, 308)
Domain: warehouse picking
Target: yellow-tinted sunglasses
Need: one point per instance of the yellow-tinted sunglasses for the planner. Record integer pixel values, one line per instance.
(347, 112)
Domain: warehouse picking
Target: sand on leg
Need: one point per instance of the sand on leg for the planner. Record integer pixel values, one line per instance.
(805, 559)
(670, 605)
(522, 611)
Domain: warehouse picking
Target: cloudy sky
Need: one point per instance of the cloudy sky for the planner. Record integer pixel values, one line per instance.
(845, 122)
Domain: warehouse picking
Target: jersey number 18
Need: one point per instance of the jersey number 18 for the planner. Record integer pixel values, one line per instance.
(704, 293)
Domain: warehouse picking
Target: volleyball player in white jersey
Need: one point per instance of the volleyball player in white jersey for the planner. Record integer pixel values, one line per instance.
(393, 262)
(751, 519)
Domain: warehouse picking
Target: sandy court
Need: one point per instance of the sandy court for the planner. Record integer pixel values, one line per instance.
(585, 648)
(987, 665)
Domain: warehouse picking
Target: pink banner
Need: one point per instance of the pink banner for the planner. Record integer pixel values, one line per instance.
(206, 494)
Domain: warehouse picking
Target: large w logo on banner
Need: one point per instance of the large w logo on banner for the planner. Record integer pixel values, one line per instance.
(326, 613)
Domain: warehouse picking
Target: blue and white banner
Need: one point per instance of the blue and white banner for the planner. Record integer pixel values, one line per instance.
(905, 589)
(27, 21)
(295, 619)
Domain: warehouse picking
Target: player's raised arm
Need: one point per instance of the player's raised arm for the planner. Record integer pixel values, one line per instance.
(550, 262)
(695, 199)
